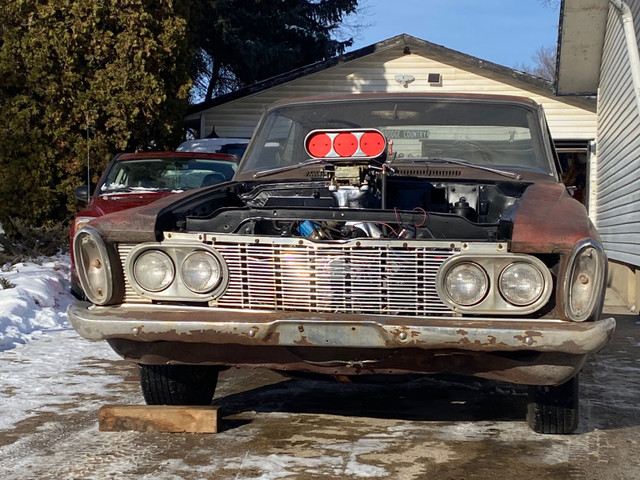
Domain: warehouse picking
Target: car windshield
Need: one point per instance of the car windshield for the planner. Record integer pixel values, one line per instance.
(497, 134)
(165, 174)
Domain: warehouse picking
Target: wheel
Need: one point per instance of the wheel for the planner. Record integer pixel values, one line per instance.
(76, 290)
(178, 384)
(553, 409)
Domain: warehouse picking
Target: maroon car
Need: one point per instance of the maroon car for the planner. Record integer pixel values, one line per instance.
(135, 179)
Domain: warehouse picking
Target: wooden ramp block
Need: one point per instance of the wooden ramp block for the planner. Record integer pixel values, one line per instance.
(158, 418)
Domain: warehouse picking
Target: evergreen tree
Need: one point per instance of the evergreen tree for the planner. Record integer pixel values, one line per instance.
(244, 41)
(90, 78)
(103, 75)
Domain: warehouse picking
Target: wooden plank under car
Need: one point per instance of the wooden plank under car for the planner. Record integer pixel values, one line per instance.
(158, 418)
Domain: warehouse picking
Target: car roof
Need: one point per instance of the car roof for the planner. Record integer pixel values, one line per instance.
(406, 96)
(172, 154)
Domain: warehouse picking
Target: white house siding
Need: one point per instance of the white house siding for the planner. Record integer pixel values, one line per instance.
(618, 149)
(568, 119)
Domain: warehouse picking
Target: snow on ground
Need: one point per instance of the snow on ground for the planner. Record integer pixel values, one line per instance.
(35, 341)
(42, 376)
(33, 299)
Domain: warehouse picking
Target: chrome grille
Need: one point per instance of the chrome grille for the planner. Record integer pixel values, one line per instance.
(130, 295)
(355, 277)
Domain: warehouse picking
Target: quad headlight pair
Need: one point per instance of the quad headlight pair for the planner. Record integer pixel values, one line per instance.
(174, 271)
(520, 284)
(494, 284)
(154, 271)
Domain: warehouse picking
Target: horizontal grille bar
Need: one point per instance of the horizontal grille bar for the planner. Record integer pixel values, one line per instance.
(332, 278)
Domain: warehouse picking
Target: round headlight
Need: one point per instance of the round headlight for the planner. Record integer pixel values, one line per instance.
(200, 272)
(521, 284)
(153, 270)
(466, 284)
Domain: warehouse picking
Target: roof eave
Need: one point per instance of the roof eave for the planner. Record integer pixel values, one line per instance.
(580, 44)
(297, 73)
(407, 41)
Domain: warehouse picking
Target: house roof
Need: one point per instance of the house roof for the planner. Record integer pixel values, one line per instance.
(411, 45)
(580, 44)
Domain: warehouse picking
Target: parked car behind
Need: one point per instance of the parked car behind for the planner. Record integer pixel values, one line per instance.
(135, 179)
(233, 146)
(365, 234)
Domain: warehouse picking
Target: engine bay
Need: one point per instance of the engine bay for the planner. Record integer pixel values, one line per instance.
(345, 202)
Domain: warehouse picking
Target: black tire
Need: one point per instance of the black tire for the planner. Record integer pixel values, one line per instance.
(76, 290)
(178, 384)
(554, 409)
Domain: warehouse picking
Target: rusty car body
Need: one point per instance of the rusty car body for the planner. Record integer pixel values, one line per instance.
(363, 234)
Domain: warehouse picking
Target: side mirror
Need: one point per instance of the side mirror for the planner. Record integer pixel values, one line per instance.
(82, 193)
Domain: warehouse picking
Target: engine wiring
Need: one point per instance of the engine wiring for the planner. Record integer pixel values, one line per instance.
(320, 230)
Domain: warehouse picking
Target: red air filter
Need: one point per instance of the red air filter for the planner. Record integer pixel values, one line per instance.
(342, 143)
(345, 144)
(372, 144)
(319, 145)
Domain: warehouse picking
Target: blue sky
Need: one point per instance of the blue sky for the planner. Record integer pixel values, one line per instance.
(507, 32)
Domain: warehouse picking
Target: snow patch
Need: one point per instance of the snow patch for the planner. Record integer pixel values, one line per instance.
(37, 302)
(32, 382)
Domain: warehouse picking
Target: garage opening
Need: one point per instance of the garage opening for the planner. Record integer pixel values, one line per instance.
(574, 158)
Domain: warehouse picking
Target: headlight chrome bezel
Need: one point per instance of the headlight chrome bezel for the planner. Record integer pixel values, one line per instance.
(494, 301)
(596, 280)
(93, 265)
(177, 290)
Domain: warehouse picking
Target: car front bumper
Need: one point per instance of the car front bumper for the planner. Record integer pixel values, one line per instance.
(534, 352)
(151, 323)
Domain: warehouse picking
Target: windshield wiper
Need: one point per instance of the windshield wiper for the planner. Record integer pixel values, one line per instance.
(134, 190)
(454, 161)
(287, 168)
(115, 190)
(464, 163)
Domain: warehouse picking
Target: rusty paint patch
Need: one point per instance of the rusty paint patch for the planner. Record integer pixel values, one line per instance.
(535, 231)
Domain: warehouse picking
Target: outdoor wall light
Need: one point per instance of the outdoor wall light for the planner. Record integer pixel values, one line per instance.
(404, 80)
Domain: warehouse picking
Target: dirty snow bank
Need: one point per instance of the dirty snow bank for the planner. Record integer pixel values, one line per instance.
(33, 299)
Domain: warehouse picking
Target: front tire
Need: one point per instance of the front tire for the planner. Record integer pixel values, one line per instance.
(554, 409)
(76, 290)
(178, 384)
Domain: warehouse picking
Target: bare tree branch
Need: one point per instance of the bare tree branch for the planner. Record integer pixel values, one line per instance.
(544, 64)
(550, 3)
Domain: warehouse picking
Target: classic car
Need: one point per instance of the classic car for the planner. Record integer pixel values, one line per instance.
(364, 234)
(134, 179)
